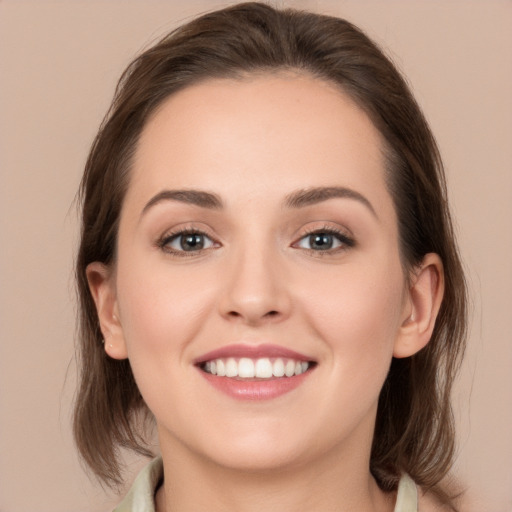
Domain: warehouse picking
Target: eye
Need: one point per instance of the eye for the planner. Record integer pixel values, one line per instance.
(186, 241)
(324, 240)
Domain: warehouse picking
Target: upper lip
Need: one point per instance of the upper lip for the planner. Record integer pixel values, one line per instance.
(252, 352)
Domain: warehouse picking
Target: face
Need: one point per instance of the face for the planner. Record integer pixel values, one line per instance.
(258, 290)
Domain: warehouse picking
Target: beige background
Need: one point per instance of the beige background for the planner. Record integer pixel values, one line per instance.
(59, 61)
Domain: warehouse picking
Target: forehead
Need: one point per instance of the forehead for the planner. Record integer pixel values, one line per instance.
(260, 135)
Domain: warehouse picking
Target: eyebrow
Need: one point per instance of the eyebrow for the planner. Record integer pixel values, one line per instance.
(299, 199)
(194, 197)
(310, 196)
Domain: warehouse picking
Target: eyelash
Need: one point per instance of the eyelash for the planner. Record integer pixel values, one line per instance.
(163, 243)
(345, 241)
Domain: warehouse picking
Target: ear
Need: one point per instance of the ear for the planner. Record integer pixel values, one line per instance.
(103, 290)
(421, 307)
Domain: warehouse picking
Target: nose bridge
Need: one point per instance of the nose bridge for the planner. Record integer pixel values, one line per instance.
(255, 288)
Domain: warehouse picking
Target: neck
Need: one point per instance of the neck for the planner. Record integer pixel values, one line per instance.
(335, 483)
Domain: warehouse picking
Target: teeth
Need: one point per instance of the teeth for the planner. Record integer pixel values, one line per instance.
(231, 368)
(221, 367)
(278, 368)
(262, 368)
(246, 368)
(289, 369)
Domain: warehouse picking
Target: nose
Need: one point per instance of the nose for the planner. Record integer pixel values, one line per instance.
(256, 288)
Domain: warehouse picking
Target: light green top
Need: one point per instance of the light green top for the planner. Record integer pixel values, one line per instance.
(141, 497)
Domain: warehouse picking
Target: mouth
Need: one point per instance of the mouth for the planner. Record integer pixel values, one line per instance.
(255, 372)
(263, 368)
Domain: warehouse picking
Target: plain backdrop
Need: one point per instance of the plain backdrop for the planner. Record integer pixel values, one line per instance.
(59, 62)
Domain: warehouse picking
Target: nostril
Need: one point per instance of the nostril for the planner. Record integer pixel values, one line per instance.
(268, 315)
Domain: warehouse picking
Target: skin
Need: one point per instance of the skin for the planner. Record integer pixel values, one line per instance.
(252, 143)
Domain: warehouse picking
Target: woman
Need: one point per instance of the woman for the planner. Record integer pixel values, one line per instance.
(268, 271)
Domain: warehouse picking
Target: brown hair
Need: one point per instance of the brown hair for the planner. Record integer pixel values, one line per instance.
(414, 428)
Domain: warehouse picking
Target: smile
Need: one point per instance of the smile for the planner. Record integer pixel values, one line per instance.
(261, 368)
(255, 372)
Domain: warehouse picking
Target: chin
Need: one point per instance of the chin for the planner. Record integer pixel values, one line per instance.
(263, 448)
(256, 459)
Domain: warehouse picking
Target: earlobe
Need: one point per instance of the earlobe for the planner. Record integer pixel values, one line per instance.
(102, 287)
(424, 300)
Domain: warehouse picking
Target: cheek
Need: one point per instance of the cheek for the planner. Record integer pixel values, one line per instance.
(357, 311)
(161, 310)
(354, 313)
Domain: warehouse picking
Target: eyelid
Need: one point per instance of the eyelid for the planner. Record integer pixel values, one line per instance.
(182, 230)
(345, 237)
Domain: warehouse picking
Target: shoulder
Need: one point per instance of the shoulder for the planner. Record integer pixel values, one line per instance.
(141, 496)
(411, 496)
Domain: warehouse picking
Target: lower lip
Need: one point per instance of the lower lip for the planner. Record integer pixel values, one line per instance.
(255, 389)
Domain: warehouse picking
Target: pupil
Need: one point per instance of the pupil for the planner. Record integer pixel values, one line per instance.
(192, 242)
(320, 241)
